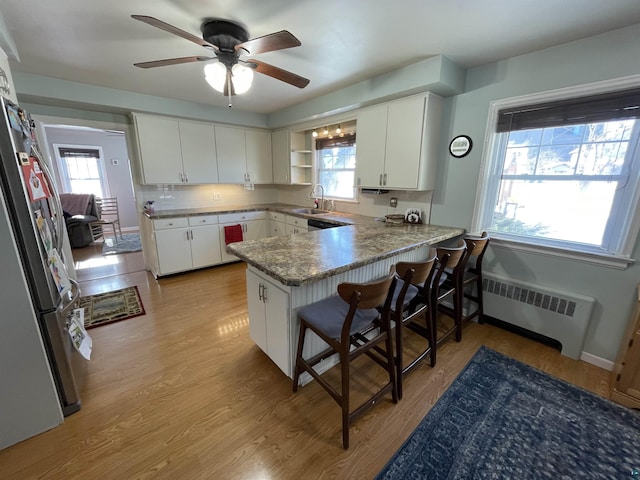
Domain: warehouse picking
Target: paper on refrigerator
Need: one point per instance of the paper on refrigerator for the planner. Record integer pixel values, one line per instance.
(78, 334)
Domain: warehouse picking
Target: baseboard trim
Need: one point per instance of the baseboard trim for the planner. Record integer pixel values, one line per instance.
(584, 356)
(597, 361)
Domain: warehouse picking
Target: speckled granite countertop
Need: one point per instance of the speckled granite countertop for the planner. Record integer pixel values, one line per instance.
(308, 257)
(303, 258)
(338, 218)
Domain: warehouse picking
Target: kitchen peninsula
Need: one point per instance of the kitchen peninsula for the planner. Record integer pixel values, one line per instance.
(289, 272)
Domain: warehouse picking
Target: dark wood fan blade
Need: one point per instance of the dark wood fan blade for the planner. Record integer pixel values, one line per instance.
(154, 22)
(172, 61)
(269, 43)
(279, 73)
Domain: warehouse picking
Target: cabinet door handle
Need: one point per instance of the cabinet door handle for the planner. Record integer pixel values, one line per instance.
(186, 177)
(385, 179)
(380, 181)
(181, 176)
(264, 294)
(260, 290)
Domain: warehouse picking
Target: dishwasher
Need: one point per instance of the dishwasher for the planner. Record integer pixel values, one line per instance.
(314, 224)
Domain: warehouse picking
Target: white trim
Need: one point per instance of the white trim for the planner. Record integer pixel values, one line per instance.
(597, 361)
(485, 176)
(64, 174)
(618, 262)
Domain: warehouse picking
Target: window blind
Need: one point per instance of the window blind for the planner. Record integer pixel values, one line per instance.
(336, 142)
(78, 152)
(575, 111)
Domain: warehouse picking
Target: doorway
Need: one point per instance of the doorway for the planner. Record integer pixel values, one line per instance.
(71, 146)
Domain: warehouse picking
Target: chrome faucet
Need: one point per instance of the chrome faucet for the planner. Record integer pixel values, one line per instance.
(314, 193)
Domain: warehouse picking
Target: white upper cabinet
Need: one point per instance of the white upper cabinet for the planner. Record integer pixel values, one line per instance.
(397, 144)
(174, 151)
(259, 160)
(159, 148)
(198, 145)
(244, 155)
(232, 154)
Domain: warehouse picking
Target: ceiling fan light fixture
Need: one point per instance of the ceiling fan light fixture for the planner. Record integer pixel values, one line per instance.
(242, 77)
(216, 75)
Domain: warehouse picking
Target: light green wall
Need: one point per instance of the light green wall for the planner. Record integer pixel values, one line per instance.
(597, 58)
(88, 101)
(608, 56)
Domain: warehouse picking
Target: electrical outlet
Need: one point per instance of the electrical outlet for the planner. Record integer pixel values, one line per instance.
(393, 202)
(217, 196)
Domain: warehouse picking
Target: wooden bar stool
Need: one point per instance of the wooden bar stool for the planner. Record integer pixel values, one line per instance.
(414, 308)
(449, 286)
(472, 276)
(342, 321)
(465, 281)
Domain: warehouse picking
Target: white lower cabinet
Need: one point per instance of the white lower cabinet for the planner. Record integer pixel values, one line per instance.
(277, 226)
(253, 224)
(295, 225)
(186, 243)
(269, 314)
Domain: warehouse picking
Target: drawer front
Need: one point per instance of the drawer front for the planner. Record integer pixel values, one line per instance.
(297, 221)
(175, 222)
(242, 217)
(203, 220)
(276, 216)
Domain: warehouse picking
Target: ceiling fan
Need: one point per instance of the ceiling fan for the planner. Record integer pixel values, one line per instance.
(228, 41)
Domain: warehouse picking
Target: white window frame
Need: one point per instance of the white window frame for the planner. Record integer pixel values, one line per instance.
(62, 165)
(488, 182)
(318, 169)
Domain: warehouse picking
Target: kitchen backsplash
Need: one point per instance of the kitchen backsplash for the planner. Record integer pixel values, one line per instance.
(170, 197)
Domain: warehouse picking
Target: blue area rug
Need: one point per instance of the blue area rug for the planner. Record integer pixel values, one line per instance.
(129, 242)
(502, 419)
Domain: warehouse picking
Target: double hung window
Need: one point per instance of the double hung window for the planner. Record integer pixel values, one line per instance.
(564, 174)
(82, 169)
(337, 166)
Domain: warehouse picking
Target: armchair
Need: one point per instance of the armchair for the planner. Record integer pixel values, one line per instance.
(79, 210)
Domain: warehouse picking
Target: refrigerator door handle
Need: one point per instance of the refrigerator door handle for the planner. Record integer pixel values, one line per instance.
(65, 307)
(56, 197)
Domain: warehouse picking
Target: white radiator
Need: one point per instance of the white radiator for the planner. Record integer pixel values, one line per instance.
(555, 314)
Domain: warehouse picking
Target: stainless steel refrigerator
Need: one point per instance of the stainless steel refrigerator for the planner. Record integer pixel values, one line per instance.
(36, 226)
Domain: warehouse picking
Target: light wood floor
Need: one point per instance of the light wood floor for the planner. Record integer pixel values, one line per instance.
(183, 393)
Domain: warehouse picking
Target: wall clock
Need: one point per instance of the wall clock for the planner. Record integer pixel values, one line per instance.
(460, 146)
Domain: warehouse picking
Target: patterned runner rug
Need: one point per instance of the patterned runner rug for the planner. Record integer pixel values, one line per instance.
(502, 419)
(111, 307)
(129, 242)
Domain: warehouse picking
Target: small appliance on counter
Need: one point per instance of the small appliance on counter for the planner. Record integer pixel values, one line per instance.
(413, 215)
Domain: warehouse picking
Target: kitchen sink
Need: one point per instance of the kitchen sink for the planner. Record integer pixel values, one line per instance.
(309, 211)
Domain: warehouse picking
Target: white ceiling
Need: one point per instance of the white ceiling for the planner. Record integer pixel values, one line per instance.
(343, 42)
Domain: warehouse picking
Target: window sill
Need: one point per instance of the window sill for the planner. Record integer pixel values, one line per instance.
(618, 262)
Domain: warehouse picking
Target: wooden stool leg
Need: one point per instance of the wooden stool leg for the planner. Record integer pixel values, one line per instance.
(399, 360)
(297, 368)
(344, 361)
(393, 378)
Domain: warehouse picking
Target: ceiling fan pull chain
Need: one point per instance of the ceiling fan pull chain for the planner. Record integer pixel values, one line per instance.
(229, 85)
